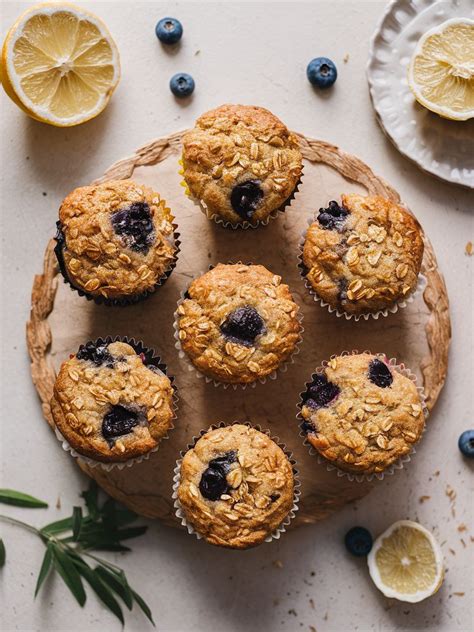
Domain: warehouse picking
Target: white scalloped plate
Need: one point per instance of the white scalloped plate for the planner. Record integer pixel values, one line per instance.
(441, 147)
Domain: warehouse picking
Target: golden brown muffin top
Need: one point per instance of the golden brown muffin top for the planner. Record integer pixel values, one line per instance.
(362, 414)
(363, 255)
(238, 323)
(118, 238)
(109, 405)
(236, 486)
(241, 162)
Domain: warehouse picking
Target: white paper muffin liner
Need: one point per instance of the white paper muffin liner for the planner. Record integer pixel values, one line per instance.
(244, 224)
(397, 465)
(276, 534)
(400, 304)
(271, 376)
(120, 465)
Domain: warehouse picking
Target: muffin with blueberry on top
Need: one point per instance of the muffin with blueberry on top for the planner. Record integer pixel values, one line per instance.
(112, 402)
(238, 323)
(363, 255)
(115, 241)
(236, 486)
(361, 413)
(241, 163)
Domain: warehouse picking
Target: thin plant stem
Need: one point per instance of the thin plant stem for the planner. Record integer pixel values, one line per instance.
(20, 524)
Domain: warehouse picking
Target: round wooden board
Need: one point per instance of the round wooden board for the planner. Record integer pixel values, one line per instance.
(418, 335)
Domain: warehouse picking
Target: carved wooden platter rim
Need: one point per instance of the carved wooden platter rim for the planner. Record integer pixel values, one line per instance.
(436, 329)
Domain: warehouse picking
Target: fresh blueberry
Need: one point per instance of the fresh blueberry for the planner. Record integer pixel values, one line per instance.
(118, 421)
(243, 325)
(98, 354)
(466, 443)
(135, 225)
(169, 30)
(320, 393)
(380, 374)
(332, 217)
(213, 481)
(321, 72)
(246, 197)
(358, 541)
(182, 85)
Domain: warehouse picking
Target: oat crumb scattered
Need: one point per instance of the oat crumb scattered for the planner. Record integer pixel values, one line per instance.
(58, 503)
(293, 612)
(345, 59)
(452, 551)
(459, 594)
(197, 52)
(277, 564)
(312, 628)
(326, 616)
(469, 249)
(422, 499)
(463, 543)
(462, 527)
(311, 603)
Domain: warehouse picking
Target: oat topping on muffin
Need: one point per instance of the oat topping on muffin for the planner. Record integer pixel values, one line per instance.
(115, 239)
(241, 162)
(238, 323)
(364, 254)
(361, 413)
(111, 403)
(236, 486)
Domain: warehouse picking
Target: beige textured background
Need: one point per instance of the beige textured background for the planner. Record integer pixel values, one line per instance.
(257, 53)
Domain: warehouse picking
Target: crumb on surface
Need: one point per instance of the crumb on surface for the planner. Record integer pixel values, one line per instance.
(469, 249)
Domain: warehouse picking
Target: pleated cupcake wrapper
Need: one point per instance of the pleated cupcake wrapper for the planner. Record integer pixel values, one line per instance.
(122, 301)
(400, 304)
(276, 534)
(397, 465)
(183, 355)
(149, 353)
(244, 224)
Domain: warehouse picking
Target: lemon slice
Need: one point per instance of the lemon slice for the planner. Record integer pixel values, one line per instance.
(406, 562)
(60, 64)
(441, 71)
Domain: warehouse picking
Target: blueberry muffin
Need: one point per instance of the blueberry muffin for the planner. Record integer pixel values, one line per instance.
(362, 414)
(241, 163)
(115, 241)
(111, 402)
(236, 486)
(238, 323)
(364, 254)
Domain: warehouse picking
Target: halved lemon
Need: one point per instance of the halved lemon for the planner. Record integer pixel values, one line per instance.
(406, 562)
(441, 71)
(60, 64)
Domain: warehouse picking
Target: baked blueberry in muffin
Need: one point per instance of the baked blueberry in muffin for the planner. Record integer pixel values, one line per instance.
(241, 163)
(115, 241)
(238, 323)
(362, 414)
(363, 255)
(112, 402)
(236, 486)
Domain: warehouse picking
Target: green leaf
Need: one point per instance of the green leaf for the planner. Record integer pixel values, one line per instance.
(145, 609)
(131, 532)
(102, 590)
(76, 523)
(19, 499)
(3, 553)
(118, 583)
(45, 567)
(66, 568)
(91, 499)
(58, 526)
(124, 517)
